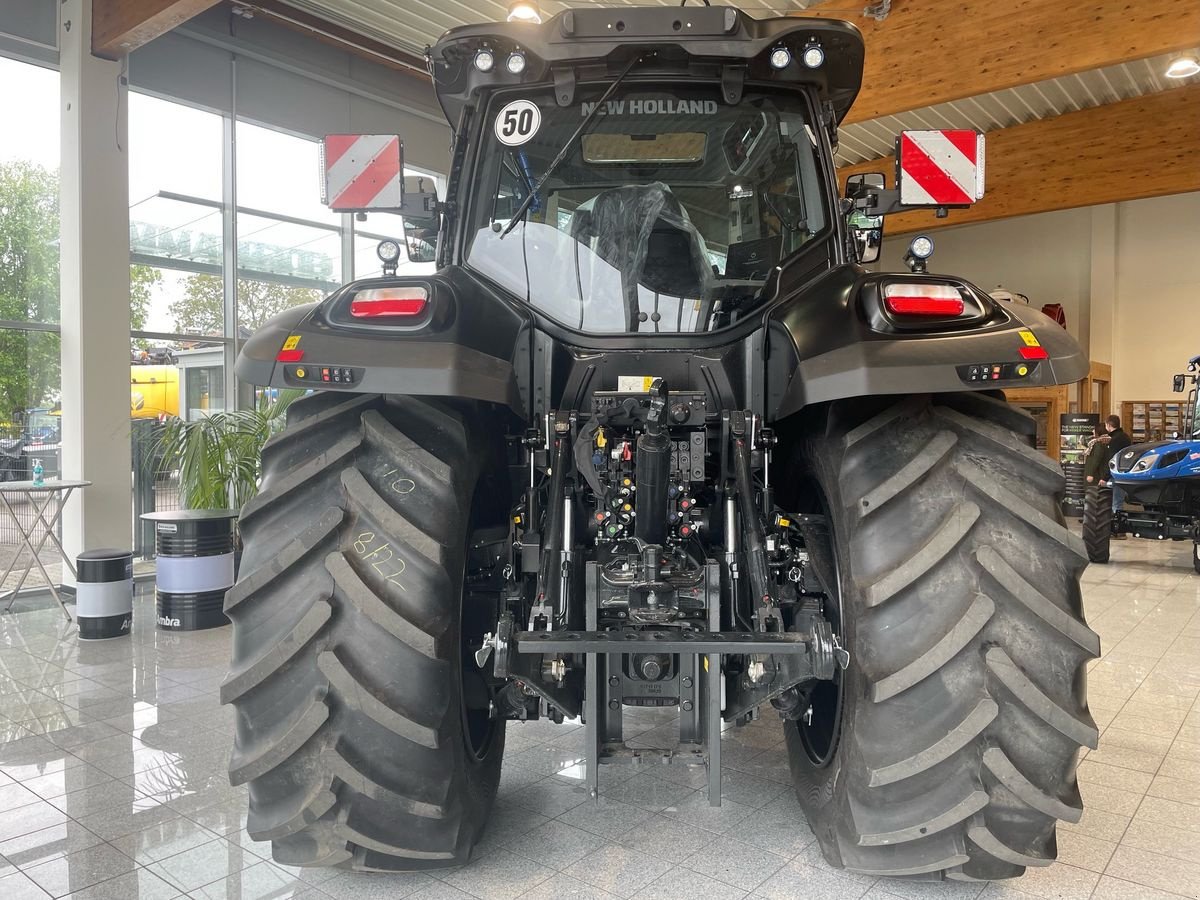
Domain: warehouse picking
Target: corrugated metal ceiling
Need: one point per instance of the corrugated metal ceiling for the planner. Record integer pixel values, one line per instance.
(1040, 100)
(410, 25)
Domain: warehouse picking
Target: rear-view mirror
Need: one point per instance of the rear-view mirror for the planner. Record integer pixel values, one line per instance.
(1178, 383)
(866, 229)
(419, 214)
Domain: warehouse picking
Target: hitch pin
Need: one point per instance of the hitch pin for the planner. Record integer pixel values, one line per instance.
(490, 642)
(840, 654)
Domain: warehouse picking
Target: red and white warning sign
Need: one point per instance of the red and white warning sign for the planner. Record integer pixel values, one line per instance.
(362, 171)
(940, 168)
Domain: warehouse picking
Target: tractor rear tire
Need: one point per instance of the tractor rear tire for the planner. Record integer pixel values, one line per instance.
(348, 674)
(1097, 523)
(953, 748)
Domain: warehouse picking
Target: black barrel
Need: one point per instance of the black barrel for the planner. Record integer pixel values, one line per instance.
(104, 594)
(195, 567)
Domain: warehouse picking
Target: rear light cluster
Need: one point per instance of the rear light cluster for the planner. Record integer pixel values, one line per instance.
(941, 301)
(390, 303)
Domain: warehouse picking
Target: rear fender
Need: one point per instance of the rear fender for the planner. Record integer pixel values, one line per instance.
(829, 342)
(444, 354)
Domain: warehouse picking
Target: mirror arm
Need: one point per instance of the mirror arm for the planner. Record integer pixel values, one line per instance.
(877, 202)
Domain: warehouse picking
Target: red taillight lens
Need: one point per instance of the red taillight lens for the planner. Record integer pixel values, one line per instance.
(398, 303)
(940, 300)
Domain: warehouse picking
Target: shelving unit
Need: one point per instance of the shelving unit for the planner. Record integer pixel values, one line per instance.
(1152, 420)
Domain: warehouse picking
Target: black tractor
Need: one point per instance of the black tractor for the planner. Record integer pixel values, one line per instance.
(653, 436)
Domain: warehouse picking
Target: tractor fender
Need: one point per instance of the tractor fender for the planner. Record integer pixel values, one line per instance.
(446, 356)
(827, 342)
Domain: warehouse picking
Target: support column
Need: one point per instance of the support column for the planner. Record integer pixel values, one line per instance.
(94, 214)
(1102, 311)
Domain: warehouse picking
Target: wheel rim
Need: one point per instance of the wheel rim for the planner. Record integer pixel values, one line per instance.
(820, 732)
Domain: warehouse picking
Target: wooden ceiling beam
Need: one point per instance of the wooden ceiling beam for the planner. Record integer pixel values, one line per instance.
(933, 51)
(1145, 147)
(121, 26)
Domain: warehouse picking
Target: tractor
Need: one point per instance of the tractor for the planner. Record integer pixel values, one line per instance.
(1160, 478)
(653, 437)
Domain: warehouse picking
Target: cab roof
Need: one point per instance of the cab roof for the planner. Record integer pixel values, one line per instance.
(579, 45)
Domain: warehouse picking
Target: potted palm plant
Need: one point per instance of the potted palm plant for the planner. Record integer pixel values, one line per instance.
(217, 458)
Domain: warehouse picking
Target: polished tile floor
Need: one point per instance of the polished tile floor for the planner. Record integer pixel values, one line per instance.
(112, 782)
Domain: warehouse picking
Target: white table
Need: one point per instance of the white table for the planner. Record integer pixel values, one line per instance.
(49, 496)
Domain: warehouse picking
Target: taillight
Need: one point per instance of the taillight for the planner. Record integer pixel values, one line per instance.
(935, 300)
(395, 303)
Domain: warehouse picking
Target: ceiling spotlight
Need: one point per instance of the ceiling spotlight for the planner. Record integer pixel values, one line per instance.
(781, 58)
(515, 63)
(524, 11)
(813, 55)
(484, 60)
(1183, 67)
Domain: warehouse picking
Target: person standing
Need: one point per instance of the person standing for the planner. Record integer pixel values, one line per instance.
(1118, 440)
(1095, 460)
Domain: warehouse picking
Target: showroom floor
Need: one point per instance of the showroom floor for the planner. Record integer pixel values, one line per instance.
(113, 782)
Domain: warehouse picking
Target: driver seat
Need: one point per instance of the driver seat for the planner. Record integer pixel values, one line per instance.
(644, 233)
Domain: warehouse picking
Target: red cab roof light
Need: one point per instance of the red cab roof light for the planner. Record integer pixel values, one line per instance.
(935, 300)
(400, 303)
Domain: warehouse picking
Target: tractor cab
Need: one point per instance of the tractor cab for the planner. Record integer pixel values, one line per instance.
(645, 170)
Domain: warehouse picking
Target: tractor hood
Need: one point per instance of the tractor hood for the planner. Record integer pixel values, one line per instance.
(1157, 459)
(594, 44)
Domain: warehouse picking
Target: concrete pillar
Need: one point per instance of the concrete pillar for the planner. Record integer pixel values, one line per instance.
(95, 288)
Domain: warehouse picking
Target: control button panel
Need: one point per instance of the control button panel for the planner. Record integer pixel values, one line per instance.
(314, 375)
(996, 371)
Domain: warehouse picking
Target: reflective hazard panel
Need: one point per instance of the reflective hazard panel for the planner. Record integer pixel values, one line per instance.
(940, 168)
(362, 172)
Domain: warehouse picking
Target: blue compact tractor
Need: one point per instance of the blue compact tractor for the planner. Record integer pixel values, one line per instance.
(1160, 477)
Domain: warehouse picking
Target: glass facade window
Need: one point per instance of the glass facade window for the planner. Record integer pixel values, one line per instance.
(290, 250)
(289, 244)
(30, 403)
(175, 219)
(280, 173)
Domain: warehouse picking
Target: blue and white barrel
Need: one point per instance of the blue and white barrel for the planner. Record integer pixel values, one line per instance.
(195, 567)
(104, 594)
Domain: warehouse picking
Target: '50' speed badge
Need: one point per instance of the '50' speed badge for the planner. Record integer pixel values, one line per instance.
(517, 122)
